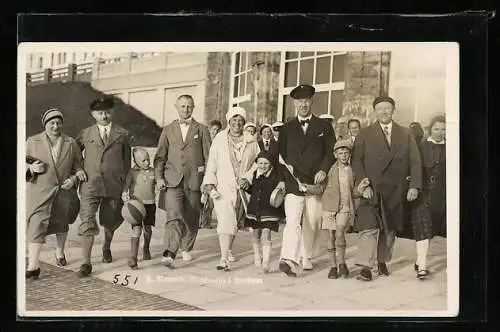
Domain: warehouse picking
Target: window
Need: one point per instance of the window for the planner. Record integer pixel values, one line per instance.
(52, 59)
(73, 57)
(59, 58)
(323, 70)
(241, 85)
(64, 57)
(30, 61)
(85, 56)
(417, 84)
(40, 63)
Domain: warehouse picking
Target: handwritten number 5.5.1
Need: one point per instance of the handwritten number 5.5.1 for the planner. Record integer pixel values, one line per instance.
(124, 280)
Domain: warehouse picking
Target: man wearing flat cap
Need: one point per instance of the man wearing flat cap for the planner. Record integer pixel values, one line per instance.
(305, 145)
(107, 160)
(385, 156)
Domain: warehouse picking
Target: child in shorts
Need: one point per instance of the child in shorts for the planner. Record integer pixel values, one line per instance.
(140, 185)
(338, 208)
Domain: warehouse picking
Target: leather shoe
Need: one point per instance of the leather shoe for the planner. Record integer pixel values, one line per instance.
(61, 261)
(382, 269)
(106, 256)
(332, 274)
(365, 275)
(286, 268)
(343, 270)
(34, 274)
(85, 270)
(146, 254)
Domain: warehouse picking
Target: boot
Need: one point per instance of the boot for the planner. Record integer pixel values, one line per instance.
(134, 249)
(257, 258)
(266, 254)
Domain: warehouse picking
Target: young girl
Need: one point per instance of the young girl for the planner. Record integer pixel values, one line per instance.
(262, 217)
(140, 185)
(433, 154)
(338, 208)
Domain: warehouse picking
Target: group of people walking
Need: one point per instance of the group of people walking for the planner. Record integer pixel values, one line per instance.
(376, 182)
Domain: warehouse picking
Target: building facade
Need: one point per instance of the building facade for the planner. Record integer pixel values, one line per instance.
(346, 82)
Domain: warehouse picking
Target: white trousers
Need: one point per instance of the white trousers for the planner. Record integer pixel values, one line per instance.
(300, 209)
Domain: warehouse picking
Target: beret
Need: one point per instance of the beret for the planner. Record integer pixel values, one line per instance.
(381, 99)
(303, 91)
(103, 103)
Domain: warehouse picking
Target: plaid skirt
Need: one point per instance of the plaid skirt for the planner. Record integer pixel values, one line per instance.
(421, 221)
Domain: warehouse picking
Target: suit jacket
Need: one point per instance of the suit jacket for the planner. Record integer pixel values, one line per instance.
(273, 146)
(106, 165)
(307, 153)
(176, 160)
(391, 170)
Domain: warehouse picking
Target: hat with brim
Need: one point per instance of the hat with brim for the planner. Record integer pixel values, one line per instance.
(265, 125)
(303, 91)
(101, 104)
(249, 124)
(342, 144)
(277, 125)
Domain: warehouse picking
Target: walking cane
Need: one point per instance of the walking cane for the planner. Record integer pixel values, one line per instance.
(290, 170)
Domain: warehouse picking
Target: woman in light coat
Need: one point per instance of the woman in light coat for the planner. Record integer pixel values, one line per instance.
(54, 167)
(231, 158)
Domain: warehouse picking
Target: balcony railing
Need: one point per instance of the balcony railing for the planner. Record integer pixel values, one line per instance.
(70, 73)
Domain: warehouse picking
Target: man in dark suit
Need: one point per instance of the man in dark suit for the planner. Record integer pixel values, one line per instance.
(386, 156)
(107, 160)
(306, 146)
(267, 141)
(179, 167)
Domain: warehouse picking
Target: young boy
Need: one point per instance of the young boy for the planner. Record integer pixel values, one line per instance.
(140, 185)
(106, 149)
(338, 208)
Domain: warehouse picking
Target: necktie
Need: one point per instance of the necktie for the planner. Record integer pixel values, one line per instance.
(387, 135)
(185, 122)
(266, 145)
(304, 122)
(105, 136)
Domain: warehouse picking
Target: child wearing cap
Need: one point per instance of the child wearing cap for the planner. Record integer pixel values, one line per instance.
(140, 185)
(263, 216)
(338, 208)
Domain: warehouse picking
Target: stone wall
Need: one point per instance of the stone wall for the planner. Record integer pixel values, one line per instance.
(217, 86)
(367, 76)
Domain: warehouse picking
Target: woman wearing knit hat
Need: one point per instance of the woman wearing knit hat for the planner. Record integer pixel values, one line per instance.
(231, 158)
(54, 168)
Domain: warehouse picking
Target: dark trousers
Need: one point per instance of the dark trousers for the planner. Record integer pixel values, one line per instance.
(183, 212)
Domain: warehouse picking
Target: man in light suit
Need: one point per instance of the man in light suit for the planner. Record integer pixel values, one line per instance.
(179, 168)
(107, 160)
(306, 144)
(385, 155)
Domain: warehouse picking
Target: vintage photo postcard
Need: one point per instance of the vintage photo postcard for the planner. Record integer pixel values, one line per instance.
(238, 179)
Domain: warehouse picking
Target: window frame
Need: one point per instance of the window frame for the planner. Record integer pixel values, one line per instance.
(246, 97)
(323, 87)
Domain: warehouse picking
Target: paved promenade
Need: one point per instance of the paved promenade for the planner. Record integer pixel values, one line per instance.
(197, 285)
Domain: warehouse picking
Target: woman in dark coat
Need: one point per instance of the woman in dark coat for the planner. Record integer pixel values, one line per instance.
(54, 168)
(427, 212)
(433, 152)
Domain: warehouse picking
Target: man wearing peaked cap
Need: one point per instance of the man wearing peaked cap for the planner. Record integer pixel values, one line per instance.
(103, 103)
(107, 161)
(393, 158)
(305, 145)
(303, 91)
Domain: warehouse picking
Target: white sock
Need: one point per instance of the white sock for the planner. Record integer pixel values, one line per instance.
(422, 250)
